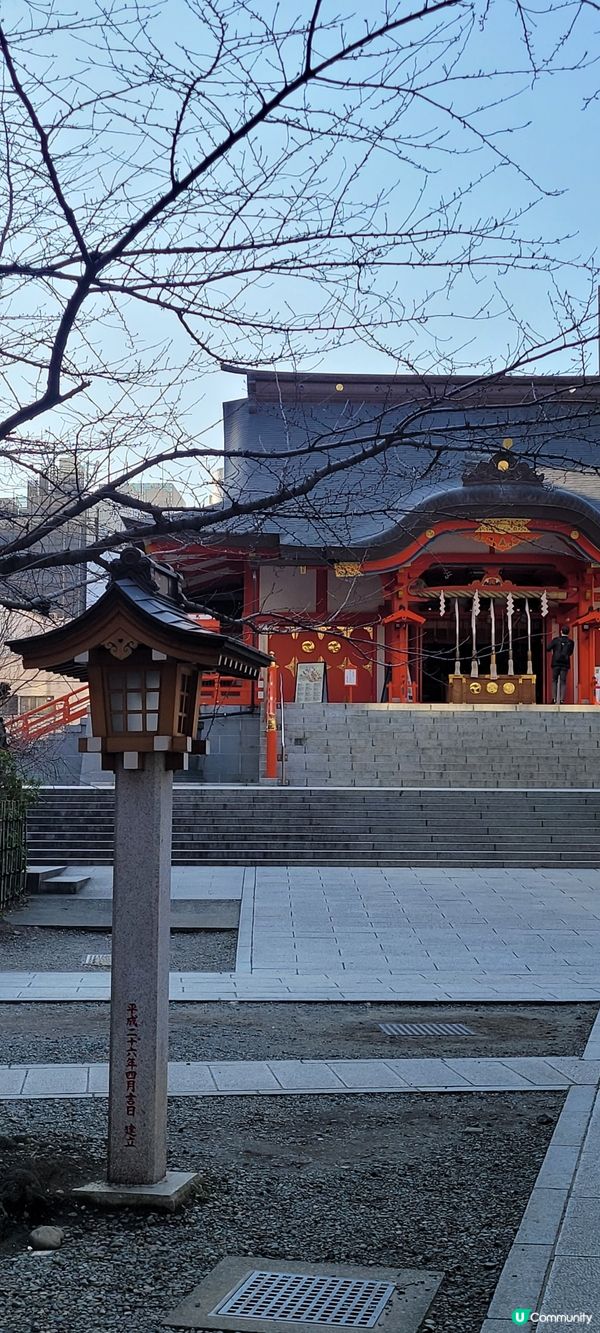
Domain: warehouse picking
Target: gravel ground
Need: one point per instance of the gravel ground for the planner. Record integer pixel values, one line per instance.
(438, 1181)
(47, 1033)
(33, 949)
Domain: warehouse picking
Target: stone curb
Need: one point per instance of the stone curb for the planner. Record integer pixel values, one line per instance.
(243, 957)
(530, 1265)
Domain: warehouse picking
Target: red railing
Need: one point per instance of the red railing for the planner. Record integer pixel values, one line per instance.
(51, 716)
(226, 690)
(68, 708)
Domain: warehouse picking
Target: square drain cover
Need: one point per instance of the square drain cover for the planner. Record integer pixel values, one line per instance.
(96, 960)
(259, 1294)
(300, 1298)
(426, 1029)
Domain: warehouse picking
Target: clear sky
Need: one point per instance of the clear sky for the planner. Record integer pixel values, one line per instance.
(549, 125)
(554, 136)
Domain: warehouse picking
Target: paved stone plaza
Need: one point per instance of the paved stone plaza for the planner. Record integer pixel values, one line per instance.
(420, 923)
(374, 934)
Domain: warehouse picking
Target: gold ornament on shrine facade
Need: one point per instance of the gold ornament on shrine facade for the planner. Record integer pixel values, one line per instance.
(503, 534)
(475, 687)
(430, 533)
(346, 570)
(508, 687)
(308, 646)
(492, 687)
(334, 646)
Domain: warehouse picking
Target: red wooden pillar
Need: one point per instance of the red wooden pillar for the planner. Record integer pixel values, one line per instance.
(585, 692)
(399, 691)
(595, 662)
(271, 720)
(402, 678)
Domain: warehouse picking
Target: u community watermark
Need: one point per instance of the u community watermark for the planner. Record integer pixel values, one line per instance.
(523, 1315)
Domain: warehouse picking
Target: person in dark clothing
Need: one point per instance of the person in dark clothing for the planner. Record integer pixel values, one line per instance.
(561, 648)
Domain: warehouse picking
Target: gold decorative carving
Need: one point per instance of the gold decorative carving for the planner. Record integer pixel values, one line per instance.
(492, 687)
(502, 534)
(430, 532)
(508, 687)
(475, 687)
(574, 533)
(308, 645)
(505, 525)
(334, 646)
(348, 570)
(120, 646)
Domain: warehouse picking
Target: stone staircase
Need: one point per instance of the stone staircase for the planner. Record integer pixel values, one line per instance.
(312, 826)
(391, 745)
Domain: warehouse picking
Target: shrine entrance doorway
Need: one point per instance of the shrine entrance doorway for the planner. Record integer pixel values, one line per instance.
(491, 621)
(435, 645)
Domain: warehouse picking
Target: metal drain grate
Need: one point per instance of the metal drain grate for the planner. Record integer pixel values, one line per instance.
(300, 1298)
(426, 1030)
(96, 960)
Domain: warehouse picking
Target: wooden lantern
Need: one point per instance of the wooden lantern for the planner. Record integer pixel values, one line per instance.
(143, 655)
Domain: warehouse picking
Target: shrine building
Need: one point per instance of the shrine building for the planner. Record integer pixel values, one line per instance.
(437, 566)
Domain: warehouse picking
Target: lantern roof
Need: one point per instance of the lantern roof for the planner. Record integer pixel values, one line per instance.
(143, 606)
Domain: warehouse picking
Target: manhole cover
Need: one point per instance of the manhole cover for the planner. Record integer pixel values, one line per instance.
(426, 1029)
(252, 1293)
(300, 1298)
(96, 960)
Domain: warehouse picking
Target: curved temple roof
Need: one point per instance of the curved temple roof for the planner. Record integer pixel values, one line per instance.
(550, 503)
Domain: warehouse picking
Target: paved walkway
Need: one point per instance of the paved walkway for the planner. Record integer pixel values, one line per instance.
(235, 1077)
(354, 987)
(314, 933)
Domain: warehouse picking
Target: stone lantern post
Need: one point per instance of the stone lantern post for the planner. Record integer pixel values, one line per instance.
(143, 656)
